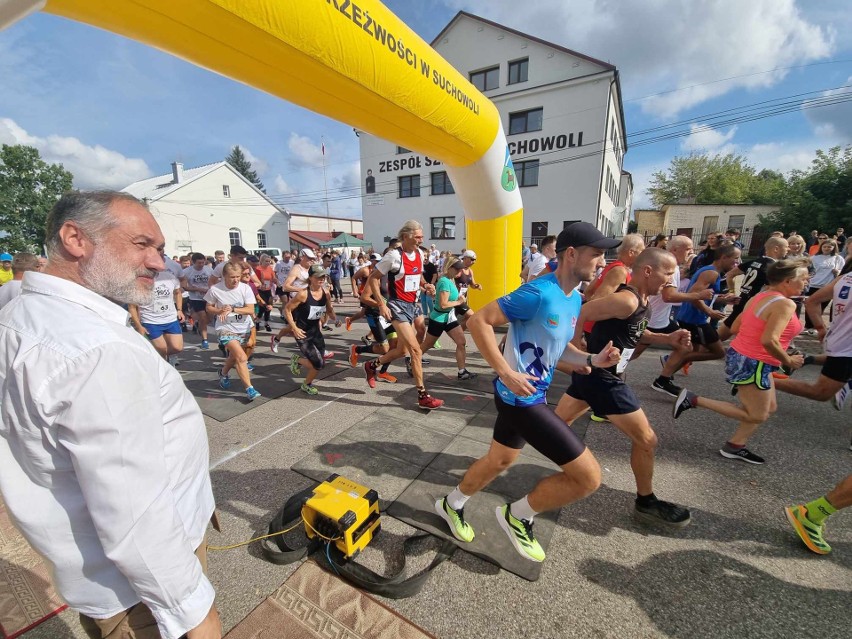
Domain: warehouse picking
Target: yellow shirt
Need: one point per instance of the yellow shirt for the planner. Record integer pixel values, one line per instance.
(5, 276)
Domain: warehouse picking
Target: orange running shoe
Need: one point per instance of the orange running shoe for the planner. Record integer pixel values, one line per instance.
(386, 377)
(353, 356)
(685, 368)
(349, 326)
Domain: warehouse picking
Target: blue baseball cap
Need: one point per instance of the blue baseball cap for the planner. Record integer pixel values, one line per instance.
(5, 257)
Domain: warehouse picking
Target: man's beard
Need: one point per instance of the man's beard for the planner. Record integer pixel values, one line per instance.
(107, 275)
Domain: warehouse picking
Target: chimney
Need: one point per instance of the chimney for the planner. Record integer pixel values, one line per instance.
(177, 172)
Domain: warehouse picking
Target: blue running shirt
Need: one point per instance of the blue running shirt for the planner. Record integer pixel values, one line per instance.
(542, 322)
(687, 312)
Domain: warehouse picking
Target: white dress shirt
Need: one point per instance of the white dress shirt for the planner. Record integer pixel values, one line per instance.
(9, 291)
(103, 456)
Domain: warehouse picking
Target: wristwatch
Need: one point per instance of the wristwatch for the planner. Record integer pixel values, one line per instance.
(589, 361)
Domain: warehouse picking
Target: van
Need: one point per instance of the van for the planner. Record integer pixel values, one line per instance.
(271, 251)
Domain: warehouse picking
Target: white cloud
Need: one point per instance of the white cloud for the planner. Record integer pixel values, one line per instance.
(703, 138)
(258, 164)
(781, 156)
(833, 120)
(667, 44)
(92, 166)
(281, 187)
(305, 151)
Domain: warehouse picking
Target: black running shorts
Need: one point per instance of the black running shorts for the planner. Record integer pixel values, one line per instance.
(703, 334)
(837, 368)
(604, 395)
(538, 426)
(436, 328)
(313, 349)
(198, 306)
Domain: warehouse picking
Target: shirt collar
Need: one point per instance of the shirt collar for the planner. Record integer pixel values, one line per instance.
(41, 283)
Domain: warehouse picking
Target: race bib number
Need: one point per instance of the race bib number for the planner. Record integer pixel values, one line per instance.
(267, 284)
(624, 360)
(451, 316)
(463, 291)
(383, 322)
(412, 283)
(237, 317)
(315, 312)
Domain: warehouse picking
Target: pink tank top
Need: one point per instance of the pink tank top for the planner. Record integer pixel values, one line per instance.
(747, 341)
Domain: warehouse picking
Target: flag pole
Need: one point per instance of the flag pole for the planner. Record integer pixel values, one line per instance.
(325, 180)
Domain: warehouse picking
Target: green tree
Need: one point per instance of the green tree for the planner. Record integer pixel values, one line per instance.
(237, 159)
(699, 178)
(29, 187)
(819, 197)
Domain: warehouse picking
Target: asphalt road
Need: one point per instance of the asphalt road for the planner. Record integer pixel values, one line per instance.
(737, 570)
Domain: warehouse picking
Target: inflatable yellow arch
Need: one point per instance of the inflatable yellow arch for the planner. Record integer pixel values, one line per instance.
(353, 61)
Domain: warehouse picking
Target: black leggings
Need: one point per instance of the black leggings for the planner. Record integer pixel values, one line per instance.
(539, 426)
(266, 296)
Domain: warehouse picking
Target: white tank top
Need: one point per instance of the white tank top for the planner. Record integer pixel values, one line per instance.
(838, 340)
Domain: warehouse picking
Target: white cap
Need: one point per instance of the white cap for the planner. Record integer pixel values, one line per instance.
(534, 246)
(470, 254)
(376, 257)
(308, 253)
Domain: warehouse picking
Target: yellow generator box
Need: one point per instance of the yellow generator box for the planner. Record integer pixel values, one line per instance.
(343, 511)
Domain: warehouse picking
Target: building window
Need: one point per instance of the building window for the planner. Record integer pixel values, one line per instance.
(226, 190)
(525, 121)
(711, 225)
(486, 79)
(519, 71)
(736, 222)
(441, 184)
(235, 237)
(409, 186)
(539, 232)
(443, 228)
(401, 149)
(568, 223)
(261, 239)
(527, 173)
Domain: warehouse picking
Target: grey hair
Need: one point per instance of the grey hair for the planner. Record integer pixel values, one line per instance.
(409, 228)
(677, 240)
(631, 241)
(90, 210)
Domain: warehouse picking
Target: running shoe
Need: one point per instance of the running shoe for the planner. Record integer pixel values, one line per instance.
(810, 331)
(599, 420)
(809, 532)
(386, 377)
(310, 389)
(273, 344)
(424, 360)
(437, 345)
(224, 381)
(466, 374)
(686, 399)
(294, 364)
(326, 327)
(370, 371)
(520, 532)
(173, 360)
(666, 385)
(842, 396)
(428, 402)
(461, 530)
(250, 366)
(685, 368)
(408, 368)
(743, 454)
(366, 339)
(252, 394)
(663, 512)
(348, 323)
(353, 355)
(204, 345)
(267, 327)
(328, 354)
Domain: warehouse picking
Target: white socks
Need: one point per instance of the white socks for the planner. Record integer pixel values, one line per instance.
(521, 509)
(457, 499)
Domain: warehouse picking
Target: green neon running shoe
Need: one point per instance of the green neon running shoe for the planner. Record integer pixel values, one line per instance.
(294, 364)
(520, 534)
(461, 530)
(599, 420)
(809, 532)
(310, 389)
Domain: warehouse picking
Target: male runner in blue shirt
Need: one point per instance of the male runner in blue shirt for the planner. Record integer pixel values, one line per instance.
(542, 317)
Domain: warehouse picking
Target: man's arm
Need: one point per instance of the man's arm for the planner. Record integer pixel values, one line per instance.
(288, 283)
(703, 283)
(614, 278)
(133, 311)
(374, 284)
(178, 298)
(618, 305)
(814, 309)
(112, 430)
(671, 295)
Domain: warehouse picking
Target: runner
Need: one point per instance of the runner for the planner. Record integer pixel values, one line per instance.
(195, 280)
(232, 302)
(251, 342)
(837, 342)
(237, 256)
(404, 269)
(185, 263)
(383, 332)
(808, 520)
(449, 300)
(661, 321)
(774, 249)
(282, 270)
(160, 320)
(620, 320)
(297, 280)
(695, 317)
(827, 265)
(304, 313)
(464, 281)
(542, 316)
(266, 274)
(763, 331)
(538, 260)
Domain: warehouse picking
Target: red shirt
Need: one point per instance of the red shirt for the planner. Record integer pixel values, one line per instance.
(406, 283)
(593, 288)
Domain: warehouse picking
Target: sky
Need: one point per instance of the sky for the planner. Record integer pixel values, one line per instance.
(114, 111)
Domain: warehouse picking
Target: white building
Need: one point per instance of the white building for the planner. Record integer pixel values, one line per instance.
(563, 118)
(211, 208)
